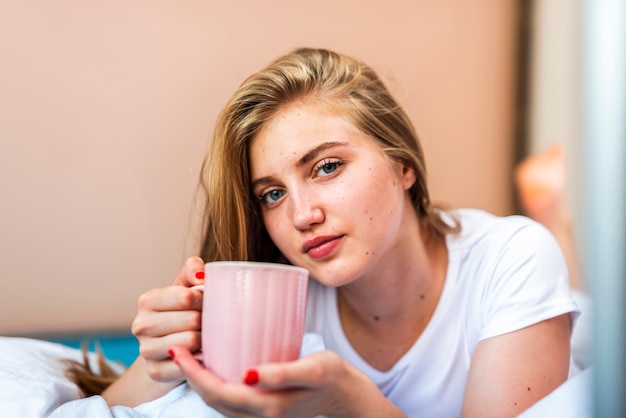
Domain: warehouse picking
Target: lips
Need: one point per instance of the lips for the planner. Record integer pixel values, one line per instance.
(321, 246)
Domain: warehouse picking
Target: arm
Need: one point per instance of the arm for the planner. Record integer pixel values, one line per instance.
(166, 316)
(511, 372)
(135, 386)
(319, 384)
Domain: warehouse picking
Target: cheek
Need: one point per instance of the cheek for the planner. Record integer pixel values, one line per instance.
(378, 195)
(276, 225)
(270, 224)
(381, 204)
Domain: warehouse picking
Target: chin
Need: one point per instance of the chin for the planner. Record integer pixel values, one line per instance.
(332, 276)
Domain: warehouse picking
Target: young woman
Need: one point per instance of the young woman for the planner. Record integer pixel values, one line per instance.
(423, 312)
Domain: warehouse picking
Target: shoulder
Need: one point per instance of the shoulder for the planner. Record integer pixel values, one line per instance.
(503, 257)
(513, 268)
(485, 230)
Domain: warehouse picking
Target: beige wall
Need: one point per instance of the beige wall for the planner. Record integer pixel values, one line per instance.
(556, 90)
(106, 109)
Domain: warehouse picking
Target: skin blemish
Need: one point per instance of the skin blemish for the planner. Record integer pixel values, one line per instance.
(421, 296)
(528, 388)
(376, 318)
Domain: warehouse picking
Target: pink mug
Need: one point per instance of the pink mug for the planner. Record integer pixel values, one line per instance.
(252, 313)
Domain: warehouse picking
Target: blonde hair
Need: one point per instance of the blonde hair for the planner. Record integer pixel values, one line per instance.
(90, 380)
(232, 225)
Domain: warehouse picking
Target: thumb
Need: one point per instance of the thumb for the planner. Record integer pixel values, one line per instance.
(192, 369)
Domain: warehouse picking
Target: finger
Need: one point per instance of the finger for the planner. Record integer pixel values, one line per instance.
(159, 324)
(230, 399)
(202, 380)
(191, 274)
(156, 349)
(171, 298)
(164, 370)
(311, 371)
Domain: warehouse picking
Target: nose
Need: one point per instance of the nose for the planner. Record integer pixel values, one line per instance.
(306, 210)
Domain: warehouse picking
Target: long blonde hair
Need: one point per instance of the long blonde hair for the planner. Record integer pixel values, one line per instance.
(231, 222)
(232, 225)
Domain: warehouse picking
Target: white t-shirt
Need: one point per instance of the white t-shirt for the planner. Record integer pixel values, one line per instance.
(504, 274)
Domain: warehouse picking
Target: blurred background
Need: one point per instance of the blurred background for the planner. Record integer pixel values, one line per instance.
(106, 109)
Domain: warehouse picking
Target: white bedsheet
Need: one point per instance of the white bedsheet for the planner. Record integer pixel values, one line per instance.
(32, 381)
(33, 385)
(180, 402)
(573, 399)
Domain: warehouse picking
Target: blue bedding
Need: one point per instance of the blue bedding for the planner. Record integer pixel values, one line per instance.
(121, 347)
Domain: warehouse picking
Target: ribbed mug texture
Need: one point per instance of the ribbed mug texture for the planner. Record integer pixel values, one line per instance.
(253, 313)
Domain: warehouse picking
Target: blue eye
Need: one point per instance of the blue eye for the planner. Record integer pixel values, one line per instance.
(272, 196)
(327, 167)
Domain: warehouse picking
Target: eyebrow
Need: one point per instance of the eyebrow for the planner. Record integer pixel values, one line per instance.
(306, 158)
(315, 151)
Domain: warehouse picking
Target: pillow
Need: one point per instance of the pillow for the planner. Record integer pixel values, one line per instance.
(32, 376)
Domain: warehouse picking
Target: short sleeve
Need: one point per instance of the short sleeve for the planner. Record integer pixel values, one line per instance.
(528, 282)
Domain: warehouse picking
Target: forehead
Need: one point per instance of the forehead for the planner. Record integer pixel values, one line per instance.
(300, 135)
(299, 124)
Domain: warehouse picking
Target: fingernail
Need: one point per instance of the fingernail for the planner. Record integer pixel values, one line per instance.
(252, 377)
(172, 355)
(199, 275)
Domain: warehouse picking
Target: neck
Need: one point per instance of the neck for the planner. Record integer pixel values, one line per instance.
(387, 312)
(411, 279)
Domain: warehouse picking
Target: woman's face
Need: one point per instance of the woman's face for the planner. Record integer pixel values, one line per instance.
(330, 200)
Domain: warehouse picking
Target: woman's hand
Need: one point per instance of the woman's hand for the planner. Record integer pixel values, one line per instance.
(167, 316)
(318, 384)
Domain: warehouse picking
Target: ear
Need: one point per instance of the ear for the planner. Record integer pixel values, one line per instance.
(408, 176)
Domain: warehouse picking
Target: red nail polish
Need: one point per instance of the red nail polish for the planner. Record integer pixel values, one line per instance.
(252, 377)
(172, 355)
(199, 275)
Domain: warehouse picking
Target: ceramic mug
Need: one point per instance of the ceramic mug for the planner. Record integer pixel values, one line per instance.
(252, 313)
